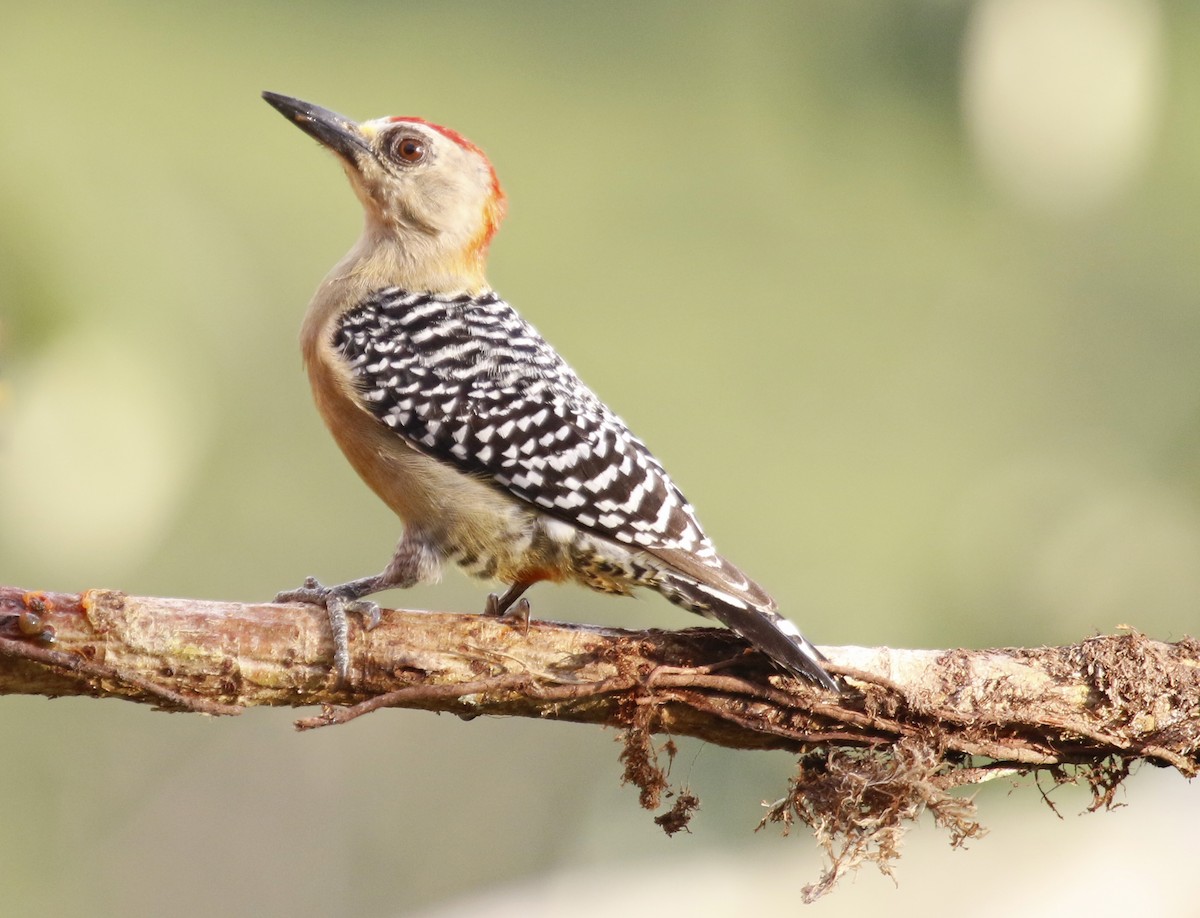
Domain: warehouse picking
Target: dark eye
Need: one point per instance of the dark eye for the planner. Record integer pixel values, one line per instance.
(404, 148)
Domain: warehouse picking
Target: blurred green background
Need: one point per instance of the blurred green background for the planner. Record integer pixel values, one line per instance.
(904, 294)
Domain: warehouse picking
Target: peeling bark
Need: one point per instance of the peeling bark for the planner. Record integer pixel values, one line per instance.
(910, 726)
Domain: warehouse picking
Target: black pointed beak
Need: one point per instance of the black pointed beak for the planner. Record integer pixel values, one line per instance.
(337, 132)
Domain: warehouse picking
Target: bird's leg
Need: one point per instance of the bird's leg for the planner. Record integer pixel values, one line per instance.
(503, 606)
(412, 563)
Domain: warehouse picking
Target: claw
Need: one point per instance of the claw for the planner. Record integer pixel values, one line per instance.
(368, 609)
(518, 615)
(498, 605)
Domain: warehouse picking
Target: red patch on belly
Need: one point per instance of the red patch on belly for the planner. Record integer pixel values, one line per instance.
(536, 574)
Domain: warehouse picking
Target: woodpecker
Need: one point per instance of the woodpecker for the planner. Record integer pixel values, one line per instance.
(470, 426)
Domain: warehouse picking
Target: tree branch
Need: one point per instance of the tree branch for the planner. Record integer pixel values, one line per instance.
(911, 725)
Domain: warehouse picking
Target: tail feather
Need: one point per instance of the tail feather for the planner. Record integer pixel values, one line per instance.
(756, 621)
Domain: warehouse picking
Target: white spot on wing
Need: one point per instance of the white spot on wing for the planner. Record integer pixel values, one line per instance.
(722, 595)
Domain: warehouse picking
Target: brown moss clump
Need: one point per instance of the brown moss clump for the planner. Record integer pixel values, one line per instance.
(860, 802)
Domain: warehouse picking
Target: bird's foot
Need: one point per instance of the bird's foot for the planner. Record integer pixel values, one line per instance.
(517, 614)
(340, 602)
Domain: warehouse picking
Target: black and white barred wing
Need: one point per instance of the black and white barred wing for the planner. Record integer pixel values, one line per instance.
(469, 382)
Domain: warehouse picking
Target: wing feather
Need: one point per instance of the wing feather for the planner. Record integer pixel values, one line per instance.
(468, 381)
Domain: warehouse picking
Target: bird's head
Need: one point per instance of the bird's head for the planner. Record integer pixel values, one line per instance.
(431, 197)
